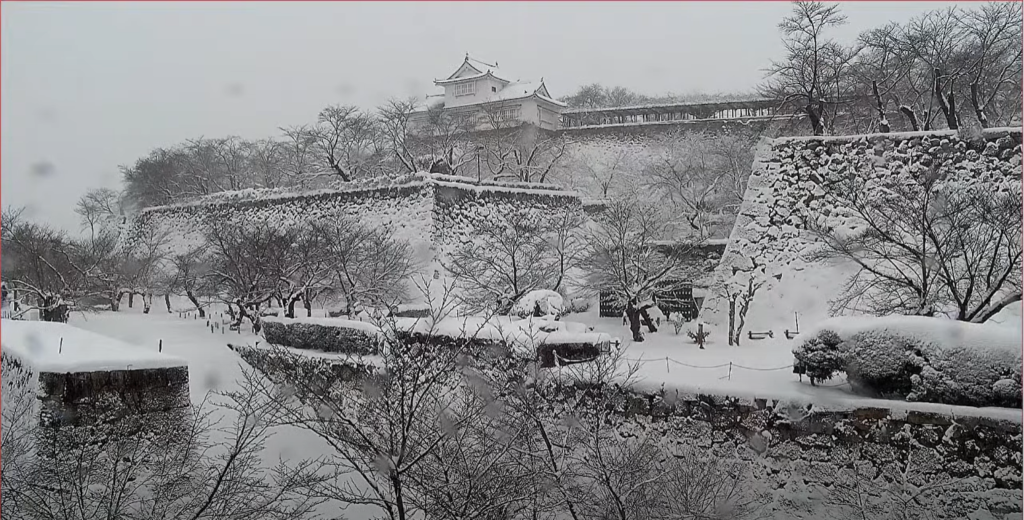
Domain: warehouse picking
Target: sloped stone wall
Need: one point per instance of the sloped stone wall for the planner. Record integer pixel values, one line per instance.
(783, 192)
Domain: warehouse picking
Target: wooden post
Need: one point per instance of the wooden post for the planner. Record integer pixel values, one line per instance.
(161, 347)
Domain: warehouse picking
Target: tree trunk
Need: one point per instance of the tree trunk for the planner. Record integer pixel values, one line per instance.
(307, 302)
(192, 298)
(883, 122)
(978, 109)
(915, 125)
(147, 303)
(290, 311)
(647, 320)
(167, 302)
(946, 104)
(634, 322)
(131, 300)
(732, 320)
(815, 118)
(396, 485)
(115, 300)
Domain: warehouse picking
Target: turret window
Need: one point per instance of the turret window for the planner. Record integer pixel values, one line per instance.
(465, 89)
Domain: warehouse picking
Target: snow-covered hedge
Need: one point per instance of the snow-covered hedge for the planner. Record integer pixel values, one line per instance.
(533, 339)
(323, 334)
(918, 359)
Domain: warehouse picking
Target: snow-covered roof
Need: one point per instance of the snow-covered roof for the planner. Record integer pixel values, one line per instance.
(59, 347)
(525, 89)
(473, 69)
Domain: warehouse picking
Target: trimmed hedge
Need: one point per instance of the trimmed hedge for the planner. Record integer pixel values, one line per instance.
(360, 338)
(917, 359)
(338, 337)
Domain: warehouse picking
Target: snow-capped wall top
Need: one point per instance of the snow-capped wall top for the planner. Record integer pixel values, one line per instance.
(62, 348)
(988, 133)
(368, 185)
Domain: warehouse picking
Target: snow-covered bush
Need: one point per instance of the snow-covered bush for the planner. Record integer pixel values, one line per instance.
(677, 321)
(819, 357)
(324, 334)
(925, 359)
(542, 301)
(578, 305)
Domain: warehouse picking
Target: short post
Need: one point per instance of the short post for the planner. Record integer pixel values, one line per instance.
(667, 369)
(730, 371)
(60, 348)
(161, 347)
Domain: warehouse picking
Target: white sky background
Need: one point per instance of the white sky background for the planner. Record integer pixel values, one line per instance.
(88, 87)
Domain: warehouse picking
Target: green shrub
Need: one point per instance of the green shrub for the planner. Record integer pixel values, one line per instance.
(338, 338)
(819, 357)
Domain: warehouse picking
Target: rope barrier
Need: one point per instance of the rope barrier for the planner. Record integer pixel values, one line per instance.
(723, 365)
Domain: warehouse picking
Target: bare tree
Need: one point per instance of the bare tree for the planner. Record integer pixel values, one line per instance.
(508, 258)
(926, 245)
(365, 265)
(124, 466)
(994, 33)
(266, 160)
(522, 152)
(238, 267)
(299, 159)
(345, 140)
(190, 275)
(703, 177)
(607, 173)
(99, 209)
(382, 425)
(813, 77)
(399, 127)
(626, 250)
(739, 290)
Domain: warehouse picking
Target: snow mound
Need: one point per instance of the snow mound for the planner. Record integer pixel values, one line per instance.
(549, 302)
(59, 347)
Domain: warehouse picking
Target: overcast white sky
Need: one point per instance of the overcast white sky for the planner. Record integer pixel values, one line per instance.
(87, 87)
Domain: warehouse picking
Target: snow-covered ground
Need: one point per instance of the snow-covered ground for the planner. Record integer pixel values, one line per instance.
(756, 369)
(59, 347)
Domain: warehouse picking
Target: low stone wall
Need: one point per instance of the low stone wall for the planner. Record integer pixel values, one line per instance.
(805, 460)
(85, 398)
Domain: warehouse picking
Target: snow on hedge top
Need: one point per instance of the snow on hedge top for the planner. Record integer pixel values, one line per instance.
(59, 347)
(362, 326)
(943, 333)
(499, 328)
